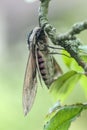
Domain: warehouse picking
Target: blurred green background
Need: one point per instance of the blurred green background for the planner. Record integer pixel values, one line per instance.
(17, 18)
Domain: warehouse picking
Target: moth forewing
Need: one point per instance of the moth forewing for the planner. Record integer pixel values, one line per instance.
(38, 70)
(29, 88)
(57, 69)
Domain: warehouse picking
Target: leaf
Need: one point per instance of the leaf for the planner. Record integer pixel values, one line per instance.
(63, 117)
(64, 84)
(66, 60)
(52, 111)
(83, 83)
(71, 63)
(83, 57)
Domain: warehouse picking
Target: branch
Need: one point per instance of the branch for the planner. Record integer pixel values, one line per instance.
(68, 40)
(43, 20)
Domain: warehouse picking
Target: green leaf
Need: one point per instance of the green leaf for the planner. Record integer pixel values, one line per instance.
(52, 111)
(64, 116)
(64, 84)
(66, 60)
(71, 63)
(83, 83)
(83, 57)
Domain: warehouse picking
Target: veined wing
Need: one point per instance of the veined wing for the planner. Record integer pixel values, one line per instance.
(29, 88)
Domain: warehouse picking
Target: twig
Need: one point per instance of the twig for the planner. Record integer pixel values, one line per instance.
(68, 40)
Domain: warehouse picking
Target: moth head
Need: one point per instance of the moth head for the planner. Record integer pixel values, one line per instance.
(40, 35)
(32, 36)
(37, 35)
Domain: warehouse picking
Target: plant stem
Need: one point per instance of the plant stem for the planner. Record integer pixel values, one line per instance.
(68, 40)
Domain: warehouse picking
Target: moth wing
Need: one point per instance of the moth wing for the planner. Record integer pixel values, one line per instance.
(29, 88)
(37, 64)
(57, 69)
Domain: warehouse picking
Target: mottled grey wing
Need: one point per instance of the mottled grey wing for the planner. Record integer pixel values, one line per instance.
(29, 88)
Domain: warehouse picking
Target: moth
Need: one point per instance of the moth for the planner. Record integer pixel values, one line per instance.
(39, 61)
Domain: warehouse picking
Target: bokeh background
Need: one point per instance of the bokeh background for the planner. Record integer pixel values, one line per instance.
(17, 18)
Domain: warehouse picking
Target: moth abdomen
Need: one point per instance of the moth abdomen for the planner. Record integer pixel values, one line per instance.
(40, 60)
(41, 65)
(43, 74)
